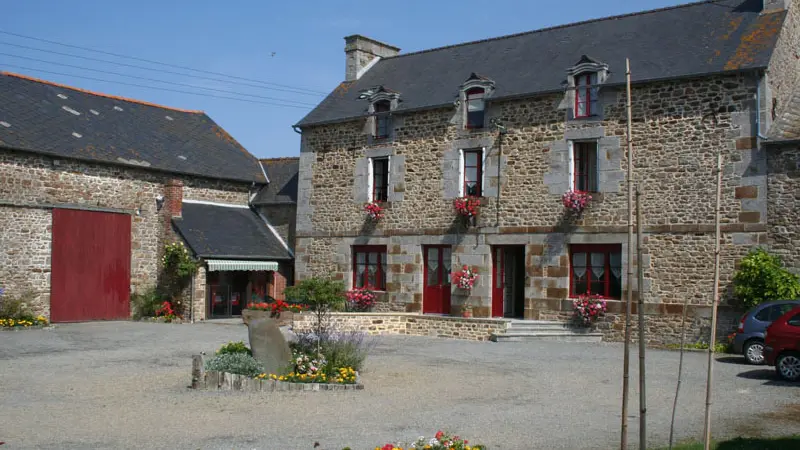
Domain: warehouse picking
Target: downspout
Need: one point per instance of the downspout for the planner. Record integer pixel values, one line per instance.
(297, 129)
(501, 131)
(191, 301)
(758, 109)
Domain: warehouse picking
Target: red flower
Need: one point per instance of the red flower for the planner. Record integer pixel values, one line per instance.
(439, 434)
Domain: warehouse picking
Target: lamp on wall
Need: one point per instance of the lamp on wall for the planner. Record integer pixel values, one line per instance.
(159, 202)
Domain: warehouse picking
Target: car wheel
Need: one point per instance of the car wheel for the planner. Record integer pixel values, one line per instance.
(754, 352)
(788, 366)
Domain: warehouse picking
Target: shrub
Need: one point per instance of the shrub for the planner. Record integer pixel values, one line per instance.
(338, 349)
(762, 278)
(239, 363)
(16, 308)
(146, 303)
(321, 295)
(234, 347)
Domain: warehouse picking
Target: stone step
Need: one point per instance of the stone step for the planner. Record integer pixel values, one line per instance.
(558, 336)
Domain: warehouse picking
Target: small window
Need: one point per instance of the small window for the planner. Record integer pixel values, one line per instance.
(767, 314)
(382, 109)
(369, 267)
(585, 95)
(783, 309)
(380, 179)
(475, 107)
(473, 173)
(585, 166)
(596, 269)
(794, 321)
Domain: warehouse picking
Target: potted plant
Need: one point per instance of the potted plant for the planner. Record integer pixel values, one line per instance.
(576, 201)
(467, 208)
(466, 310)
(588, 307)
(465, 278)
(280, 310)
(360, 299)
(374, 211)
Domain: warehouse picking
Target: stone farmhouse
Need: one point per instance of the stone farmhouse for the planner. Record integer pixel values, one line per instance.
(92, 186)
(517, 121)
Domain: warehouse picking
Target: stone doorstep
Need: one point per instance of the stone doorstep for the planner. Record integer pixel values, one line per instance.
(224, 381)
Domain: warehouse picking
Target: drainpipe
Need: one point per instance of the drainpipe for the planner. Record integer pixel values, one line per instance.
(758, 109)
(297, 129)
(191, 302)
(501, 131)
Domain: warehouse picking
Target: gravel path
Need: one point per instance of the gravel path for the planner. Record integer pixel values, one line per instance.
(119, 385)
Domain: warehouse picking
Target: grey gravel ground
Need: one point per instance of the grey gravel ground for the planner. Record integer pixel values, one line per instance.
(121, 385)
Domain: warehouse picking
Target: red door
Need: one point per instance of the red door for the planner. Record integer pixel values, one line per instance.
(498, 281)
(436, 294)
(91, 265)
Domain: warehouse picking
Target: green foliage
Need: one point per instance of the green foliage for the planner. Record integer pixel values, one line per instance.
(178, 266)
(338, 349)
(318, 293)
(234, 347)
(762, 278)
(146, 303)
(240, 363)
(16, 307)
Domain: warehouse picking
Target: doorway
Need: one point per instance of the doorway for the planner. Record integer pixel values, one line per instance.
(508, 281)
(436, 293)
(227, 292)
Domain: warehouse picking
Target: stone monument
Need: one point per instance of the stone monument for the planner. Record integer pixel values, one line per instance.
(269, 345)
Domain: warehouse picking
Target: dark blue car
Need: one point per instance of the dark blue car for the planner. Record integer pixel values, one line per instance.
(749, 340)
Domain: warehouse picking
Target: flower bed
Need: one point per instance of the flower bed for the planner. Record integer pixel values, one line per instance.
(224, 381)
(280, 310)
(12, 324)
(441, 441)
(15, 313)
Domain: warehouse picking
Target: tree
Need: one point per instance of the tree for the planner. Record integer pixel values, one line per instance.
(322, 295)
(762, 278)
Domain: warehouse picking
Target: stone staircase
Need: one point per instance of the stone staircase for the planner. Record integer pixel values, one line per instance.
(544, 330)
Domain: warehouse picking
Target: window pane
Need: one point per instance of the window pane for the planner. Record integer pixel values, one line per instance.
(475, 104)
(360, 270)
(581, 108)
(795, 321)
(373, 259)
(764, 314)
(433, 266)
(472, 189)
(446, 265)
(615, 284)
(475, 119)
(471, 159)
(361, 258)
(471, 174)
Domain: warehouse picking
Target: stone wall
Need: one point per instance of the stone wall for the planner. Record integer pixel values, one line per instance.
(32, 185)
(282, 218)
(410, 324)
(784, 66)
(784, 204)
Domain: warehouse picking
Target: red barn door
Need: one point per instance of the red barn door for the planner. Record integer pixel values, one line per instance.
(91, 266)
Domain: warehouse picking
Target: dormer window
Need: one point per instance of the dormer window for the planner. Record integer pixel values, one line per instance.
(475, 107)
(382, 109)
(585, 95)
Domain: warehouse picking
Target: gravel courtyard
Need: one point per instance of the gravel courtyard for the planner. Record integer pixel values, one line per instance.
(118, 385)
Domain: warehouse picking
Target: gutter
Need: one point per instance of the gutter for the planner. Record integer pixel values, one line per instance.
(530, 95)
(243, 257)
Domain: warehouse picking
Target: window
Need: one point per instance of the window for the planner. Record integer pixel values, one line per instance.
(473, 173)
(475, 107)
(382, 109)
(794, 321)
(596, 269)
(585, 95)
(380, 179)
(772, 313)
(369, 266)
(584, 166)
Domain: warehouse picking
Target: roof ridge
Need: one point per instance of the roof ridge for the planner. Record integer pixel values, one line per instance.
(555, 27)
(280, 158)
(99, 94)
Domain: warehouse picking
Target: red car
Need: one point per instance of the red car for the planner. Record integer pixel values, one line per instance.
(782, 345)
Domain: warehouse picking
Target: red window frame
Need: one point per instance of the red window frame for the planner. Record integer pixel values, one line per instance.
(382, 109)
(479, 166)
(585, 166)
(475, 119)
(380, 179)
(607, 250)
(380, 272)
(583, 84)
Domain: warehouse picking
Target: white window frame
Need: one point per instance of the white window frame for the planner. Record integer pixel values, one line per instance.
(461, 173)
(371, 178)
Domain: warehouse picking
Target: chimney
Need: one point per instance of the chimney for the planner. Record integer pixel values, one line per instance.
(360, 51)
(173, 198)
(771, 6)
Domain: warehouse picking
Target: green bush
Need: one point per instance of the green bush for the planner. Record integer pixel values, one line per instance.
(234, 347)
(16, 307)
(146, 303)
(762, 278)
(240, 363)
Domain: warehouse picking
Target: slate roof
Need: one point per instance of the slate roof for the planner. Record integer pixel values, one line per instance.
(230, 232)
(62, 121)
(787, 126)
(282, 187)
(686, 40)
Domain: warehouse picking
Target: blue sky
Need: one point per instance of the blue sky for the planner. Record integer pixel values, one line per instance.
(295, 44)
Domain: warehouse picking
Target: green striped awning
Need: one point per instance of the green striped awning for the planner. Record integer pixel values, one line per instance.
(215, 265)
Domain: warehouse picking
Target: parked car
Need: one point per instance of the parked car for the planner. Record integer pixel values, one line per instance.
(782, 345)
(749, 340)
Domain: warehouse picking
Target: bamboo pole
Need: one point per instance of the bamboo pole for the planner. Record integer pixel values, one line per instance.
(680, 371)
(629, 299)
(712, 340)
(640, 279)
